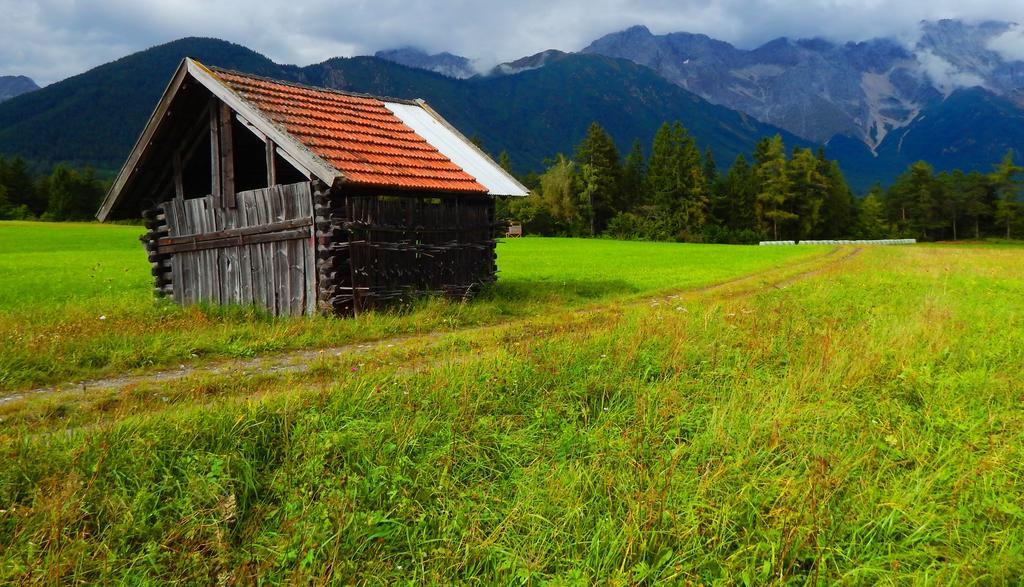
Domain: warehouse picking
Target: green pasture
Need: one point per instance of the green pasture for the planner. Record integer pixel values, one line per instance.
(855, 421)
(76, 299)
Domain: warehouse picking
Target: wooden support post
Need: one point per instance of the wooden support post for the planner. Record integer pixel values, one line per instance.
(179, 186)
(271, 167)
(227, 157)
(215, 189)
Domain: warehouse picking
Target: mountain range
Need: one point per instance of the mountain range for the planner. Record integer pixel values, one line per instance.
(818, 89)
(953, 97)
(15, 85)
(93, 118)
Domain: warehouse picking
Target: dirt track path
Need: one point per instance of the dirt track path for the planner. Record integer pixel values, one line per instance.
(302, 360)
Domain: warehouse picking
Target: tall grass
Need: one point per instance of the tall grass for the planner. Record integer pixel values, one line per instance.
(862, 425)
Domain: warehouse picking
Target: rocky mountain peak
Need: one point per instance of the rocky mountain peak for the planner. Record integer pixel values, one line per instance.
(637, 30)
(954, 54)
(443, 63)
(528, 63)
(818, 89)
(15, 85)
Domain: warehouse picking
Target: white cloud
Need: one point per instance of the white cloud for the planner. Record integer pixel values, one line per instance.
(1009, 45)
(946, 76)
(52, 39)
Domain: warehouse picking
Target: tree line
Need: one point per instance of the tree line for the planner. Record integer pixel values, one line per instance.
(678, 193)
(64, 194)
(948, 205)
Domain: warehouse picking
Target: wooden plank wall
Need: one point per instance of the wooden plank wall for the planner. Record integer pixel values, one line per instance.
(374, 250)
(279, 275)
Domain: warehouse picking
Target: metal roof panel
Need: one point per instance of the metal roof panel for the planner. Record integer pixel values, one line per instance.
(461, 152)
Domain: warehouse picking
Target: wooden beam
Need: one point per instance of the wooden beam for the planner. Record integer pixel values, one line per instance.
(162, 181)
(194, 137)
(276, 148)
(171, 145)
(215, 175)
(238, 241)
(298, 166)
(298, 228)
(292, 150)
(179, 186)
(227, 156)
(186, 143)
(143, 142)
(233, 232)
(271, 166)
(241, 119)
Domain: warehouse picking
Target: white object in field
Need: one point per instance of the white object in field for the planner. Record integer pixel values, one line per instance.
(883, 241)
(462, 152)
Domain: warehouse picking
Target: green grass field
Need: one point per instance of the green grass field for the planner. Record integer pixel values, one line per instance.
(57, 281)
(856, 418)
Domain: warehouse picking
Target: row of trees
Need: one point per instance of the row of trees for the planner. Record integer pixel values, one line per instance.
(64, 194)
(678, 193)
(948, 205)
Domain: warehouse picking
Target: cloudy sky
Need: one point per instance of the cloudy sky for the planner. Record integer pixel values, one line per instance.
(49, 40)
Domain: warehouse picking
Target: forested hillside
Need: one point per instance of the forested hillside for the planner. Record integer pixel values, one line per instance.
(94, 118)
(714, 176)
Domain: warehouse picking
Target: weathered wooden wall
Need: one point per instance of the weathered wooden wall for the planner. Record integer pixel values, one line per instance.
(377, 249)
(259, 252)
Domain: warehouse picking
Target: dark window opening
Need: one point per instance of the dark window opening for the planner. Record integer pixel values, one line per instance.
(196, 180)
(286, 172)
(250, 153)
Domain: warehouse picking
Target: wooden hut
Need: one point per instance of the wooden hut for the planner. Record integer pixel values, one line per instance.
(302, 199)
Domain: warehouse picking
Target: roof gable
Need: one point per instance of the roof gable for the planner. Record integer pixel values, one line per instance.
(358, 135)
(338, 136)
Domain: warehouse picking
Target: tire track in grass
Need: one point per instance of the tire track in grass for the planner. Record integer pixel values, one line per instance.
(303, 360)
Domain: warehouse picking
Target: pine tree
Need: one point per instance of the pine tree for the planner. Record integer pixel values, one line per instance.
(736, 202)
(839, 210)
(61, 199)
(590, 180)
(710, 167)
(662, 179)
(601, 173)
(952, 196)
(917, 195)
(808, 189)
(505, 162)
(6, 209)
(773, 185)
(978, 193)
(676, 181)
(634, 178)
(72, 195)
(696, 195)
(21, 189)
(872, 215)
(1008, 183)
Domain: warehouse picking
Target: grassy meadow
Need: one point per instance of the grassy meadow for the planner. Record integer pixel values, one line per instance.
(76, 299)
(855, 418)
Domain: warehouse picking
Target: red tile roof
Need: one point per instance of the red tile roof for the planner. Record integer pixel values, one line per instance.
(358, 135)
